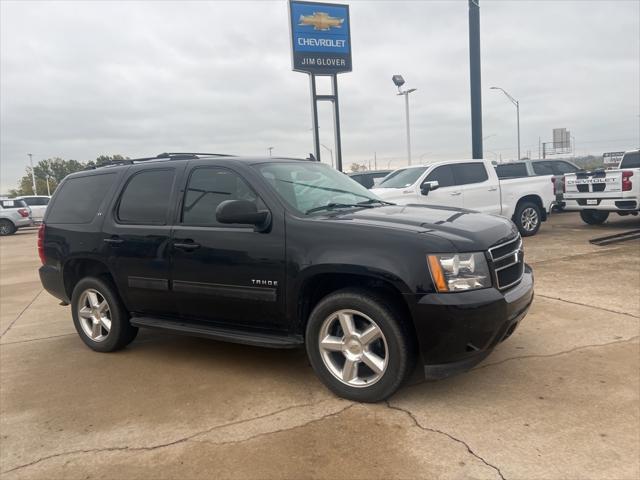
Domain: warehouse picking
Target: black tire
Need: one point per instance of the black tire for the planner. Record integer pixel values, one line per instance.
(399, 346)
(7, 227)
(121, 332)
(528, 218)
(593, 217)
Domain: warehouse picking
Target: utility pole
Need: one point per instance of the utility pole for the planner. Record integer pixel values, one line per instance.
(475, 78)
(375, 160)
(33, 174)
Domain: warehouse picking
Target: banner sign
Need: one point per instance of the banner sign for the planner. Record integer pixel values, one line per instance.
(320, 37)
(612, 158)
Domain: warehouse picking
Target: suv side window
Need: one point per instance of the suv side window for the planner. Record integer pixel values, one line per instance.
(542, 168)
(145, 199)
(79, 198)
(443, 175)
(207, 188)
(466, 173)
(560, 168)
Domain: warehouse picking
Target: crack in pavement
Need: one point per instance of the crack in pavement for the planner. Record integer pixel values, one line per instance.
(448, 435)
(20, 314)
(564, 352)
(310, 422)
(37, 339)
(586, 305)
(169, 444)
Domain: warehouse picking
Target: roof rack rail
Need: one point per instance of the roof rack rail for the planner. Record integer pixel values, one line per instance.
(165, 156)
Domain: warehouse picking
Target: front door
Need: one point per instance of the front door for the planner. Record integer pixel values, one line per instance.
(447, 194)
(226, 274)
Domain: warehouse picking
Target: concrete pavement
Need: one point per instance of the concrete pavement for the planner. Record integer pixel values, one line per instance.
(559, 399)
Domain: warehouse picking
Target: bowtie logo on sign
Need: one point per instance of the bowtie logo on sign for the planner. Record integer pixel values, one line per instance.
(321, 21)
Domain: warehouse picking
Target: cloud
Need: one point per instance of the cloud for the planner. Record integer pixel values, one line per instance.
(80, 79)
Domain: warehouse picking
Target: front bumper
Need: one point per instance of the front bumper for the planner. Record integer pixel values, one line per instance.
(456, 331)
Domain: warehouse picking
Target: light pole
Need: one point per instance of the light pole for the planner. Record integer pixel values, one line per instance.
(33, 175)
(269, 148)
(399, 81)
(517, 104)
(330, 151)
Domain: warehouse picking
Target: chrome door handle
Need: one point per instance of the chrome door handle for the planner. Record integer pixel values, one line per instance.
(113, 241)
(187, 245)
(493, 189)
(455, 194)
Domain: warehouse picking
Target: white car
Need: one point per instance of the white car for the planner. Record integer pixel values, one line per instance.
(474, 185)
(598, 193)
(38, 205)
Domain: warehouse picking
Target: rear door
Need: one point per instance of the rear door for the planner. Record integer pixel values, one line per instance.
(136, 238)
(480, 192)
(230, 275)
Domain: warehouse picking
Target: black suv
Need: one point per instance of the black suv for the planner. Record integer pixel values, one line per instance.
(283, 253)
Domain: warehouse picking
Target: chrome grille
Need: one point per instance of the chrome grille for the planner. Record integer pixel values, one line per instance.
(507, 261)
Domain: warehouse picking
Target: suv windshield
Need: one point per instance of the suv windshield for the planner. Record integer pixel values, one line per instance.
(630, 160)
(311, 187)
(402, 178)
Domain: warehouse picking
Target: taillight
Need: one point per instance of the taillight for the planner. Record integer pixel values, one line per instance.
(626, 180)
(41, 243)
(564, 184)
(23, 212)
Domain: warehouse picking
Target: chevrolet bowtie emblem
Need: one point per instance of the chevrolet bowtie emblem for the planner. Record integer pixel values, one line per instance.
(321, 21)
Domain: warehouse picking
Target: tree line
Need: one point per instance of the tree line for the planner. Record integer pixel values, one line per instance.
(50, 172)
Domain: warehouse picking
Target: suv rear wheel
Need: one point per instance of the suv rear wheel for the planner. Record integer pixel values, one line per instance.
(7, 227)
(593, 217)
(358, 346)
(99, 316)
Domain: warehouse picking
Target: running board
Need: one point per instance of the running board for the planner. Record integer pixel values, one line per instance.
(619, 237)
(217, 333)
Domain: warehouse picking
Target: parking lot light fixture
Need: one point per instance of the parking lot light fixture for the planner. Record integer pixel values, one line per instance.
(517, 104)
(398, 80)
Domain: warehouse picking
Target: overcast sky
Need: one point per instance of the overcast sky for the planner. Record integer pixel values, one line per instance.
(84, 78)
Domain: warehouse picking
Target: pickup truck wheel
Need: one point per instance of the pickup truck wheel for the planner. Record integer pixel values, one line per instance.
(593, 217)
(7, 227)
(99, 316)
(527, 218)
(357, 346)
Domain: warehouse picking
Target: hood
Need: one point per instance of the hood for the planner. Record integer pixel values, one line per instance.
(465, 229)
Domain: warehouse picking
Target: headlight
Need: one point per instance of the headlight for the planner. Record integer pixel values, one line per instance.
(459, 272)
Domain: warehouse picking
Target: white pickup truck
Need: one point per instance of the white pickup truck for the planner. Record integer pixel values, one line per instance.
(598, 193)
(474, 185)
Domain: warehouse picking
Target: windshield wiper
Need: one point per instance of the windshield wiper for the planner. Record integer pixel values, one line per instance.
(332, 206)
(371, 201)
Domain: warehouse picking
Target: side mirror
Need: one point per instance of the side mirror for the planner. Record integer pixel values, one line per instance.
(427, 187)
(244, 212)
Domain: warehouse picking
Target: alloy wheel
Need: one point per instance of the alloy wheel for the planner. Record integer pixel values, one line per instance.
(529, 219)
(94, 315)
(353, 348)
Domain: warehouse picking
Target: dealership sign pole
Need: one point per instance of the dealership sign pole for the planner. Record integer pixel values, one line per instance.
(321, 46)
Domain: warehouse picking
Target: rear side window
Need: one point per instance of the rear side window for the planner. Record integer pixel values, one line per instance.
(208, 188)
(511, 170)
(542, 168)
(145, 199)
(13, 203)
(630, 160)
(560, 168)
(79, 198)
(466, 173)
(443, 175)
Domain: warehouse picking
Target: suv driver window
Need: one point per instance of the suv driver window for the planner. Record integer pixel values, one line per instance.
(208, 188)
(443, 175)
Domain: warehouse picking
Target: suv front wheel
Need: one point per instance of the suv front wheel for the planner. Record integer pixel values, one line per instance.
(99, 316)
(358, 346)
